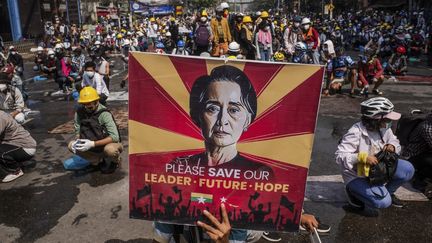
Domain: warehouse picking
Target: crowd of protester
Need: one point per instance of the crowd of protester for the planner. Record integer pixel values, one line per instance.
(78, 59)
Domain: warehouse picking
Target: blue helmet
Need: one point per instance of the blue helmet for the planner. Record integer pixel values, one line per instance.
(160, 45)
(180, 43)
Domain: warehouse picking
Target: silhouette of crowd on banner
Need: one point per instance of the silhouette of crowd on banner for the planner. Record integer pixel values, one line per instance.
(173, 211)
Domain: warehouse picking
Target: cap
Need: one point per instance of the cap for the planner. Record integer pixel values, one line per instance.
(393, 116)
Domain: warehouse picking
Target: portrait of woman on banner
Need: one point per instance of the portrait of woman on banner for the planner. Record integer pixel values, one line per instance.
(223, 105)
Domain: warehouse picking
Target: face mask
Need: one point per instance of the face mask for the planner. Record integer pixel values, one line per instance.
(13, 52)
(306, 26)
(155, 26)
(90, 74)
(267, 28)
(51, 56)
(296, 25)
(388, 125)
(250, 27)
(3, 87)
(203, 19)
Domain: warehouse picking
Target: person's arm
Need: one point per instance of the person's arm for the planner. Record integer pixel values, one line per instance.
(77, 125)
(392, 140)
(108, 122)
(426, 133)
(19, 100)
(347, 150)
(379, 69)
(316, 39)
(219, 231)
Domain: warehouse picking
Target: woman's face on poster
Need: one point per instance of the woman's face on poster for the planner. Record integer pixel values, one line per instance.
(224, 117)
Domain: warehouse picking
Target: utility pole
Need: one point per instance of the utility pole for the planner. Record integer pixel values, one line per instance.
(15, 20)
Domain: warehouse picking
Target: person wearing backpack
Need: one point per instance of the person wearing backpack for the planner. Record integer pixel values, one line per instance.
(419, 152)
(203, 34)
(97, 136)
(357, 154)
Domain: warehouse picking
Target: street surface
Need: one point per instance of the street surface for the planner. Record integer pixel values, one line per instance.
(49, 204)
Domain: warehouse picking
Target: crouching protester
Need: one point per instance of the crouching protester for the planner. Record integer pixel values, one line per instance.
(357, 155)
(16, 146)
(419, 152)
(11, 99)
(97, 136)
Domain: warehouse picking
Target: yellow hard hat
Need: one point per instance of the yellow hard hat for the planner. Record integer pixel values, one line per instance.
(152, 19)
(88, 94)
(264, 14)
(247, 19)
(204, 13)
(172, 19)
(119, 36)
(337, 28)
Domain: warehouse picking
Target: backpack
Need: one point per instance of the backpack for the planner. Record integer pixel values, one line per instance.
(202, 35)
(90, 127)
(406, 126)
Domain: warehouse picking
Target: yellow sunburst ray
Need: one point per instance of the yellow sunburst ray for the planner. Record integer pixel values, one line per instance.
(163, 71)
(295, 150)
(289, 78)
(148, 139)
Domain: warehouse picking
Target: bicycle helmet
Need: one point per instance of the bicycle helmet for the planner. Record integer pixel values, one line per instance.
(180, 43)
(378, 108)
(279, 56)
(401, 50)
(300, 46)
(160, 45)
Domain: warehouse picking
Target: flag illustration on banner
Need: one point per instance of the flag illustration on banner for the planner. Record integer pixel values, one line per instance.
(221, 131)
(201, 197)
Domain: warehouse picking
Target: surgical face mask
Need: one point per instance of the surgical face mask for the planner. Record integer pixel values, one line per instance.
(13, 52)
(306, 26)
(155, 26)
(203, 19)
(98, 46)
(3, 87)
(249, 26)
(267, 28)
(296, 25)
(39, 52)
(89, 74)
(51, 56)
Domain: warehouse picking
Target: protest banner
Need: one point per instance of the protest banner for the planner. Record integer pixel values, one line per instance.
(208, 131)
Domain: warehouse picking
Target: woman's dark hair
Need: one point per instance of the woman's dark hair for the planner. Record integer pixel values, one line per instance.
(225, 73)
(89, 64)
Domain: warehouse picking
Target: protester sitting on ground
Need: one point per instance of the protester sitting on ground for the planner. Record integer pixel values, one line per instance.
(49, 65)
(343, 71)
(16, 147)
(356, 154)
(97, 136)
(93, 79)
(419, 152)
(11, 99)
(370, 72)
(16, 59)
(397, 64)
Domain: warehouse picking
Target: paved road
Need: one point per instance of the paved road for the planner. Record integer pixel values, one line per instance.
(49, 204)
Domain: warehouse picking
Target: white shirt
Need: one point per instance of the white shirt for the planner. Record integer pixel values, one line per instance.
(97, 83)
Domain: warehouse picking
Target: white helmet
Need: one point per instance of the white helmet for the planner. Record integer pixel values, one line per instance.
(168, 34)
(224, 5)
(234, 47)
(301, 46)
(407, 37)
(97, 43)
(305, 21)
(258, 13)
(40, 48)
(377, 108)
